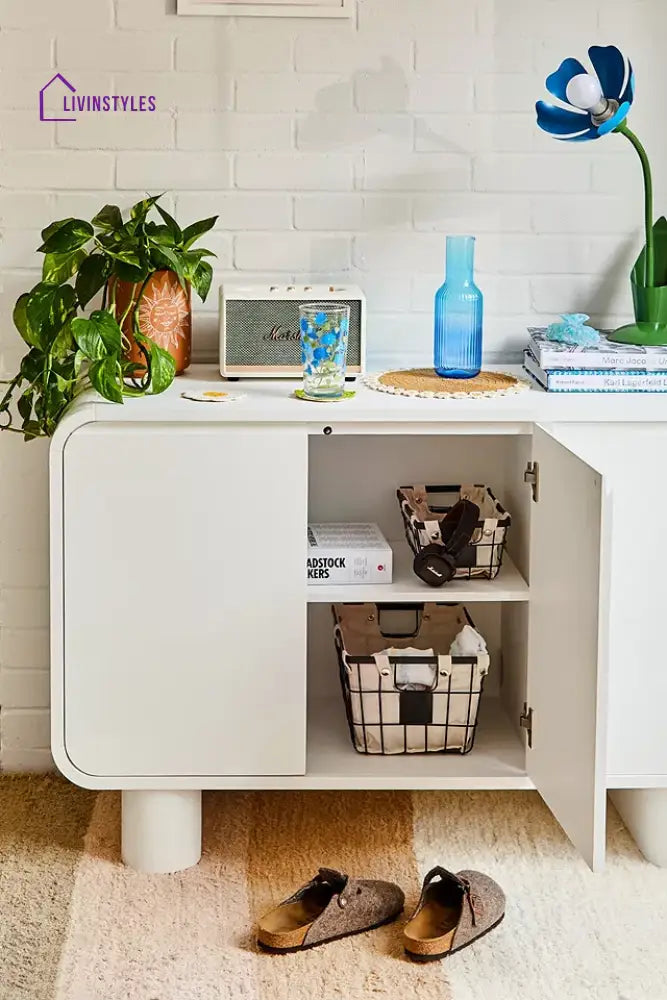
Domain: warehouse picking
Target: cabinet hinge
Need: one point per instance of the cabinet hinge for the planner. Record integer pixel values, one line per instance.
(526, 722)
(532, 477)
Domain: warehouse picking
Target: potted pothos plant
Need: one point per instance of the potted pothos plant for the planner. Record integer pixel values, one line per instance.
(135, 342)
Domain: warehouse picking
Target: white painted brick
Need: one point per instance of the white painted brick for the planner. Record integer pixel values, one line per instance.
(510, 254)
(19, 249)
(112, 51)
(339, 47)
(352, 131)
(21, 90)
(118, 131)
(25, 729)
(616, 175)
(392, 251)
(86, 204)
(27, 761)
(304, 172)
(472, 213)
(25, 209)
(386, 89)
(399, 341)
(289, 92)
(553, 294)
(24, 50)
(154, 14)
(524, 174)
(161, 171)
(441, 92)
(237, 210)
(17, 131)
(386, 296)
(24, 607)
(291, 251)
(410, 16)
(416, 172)
(220, 243)
(74, 14)
(567, 19)
(57, 169)
(453, 52)
(179, 91)
(507, 92)
(24, 648)
(352, 212)
(233, 131)
(246, 47)
(478, 133)
(24, 689)
(586, 214)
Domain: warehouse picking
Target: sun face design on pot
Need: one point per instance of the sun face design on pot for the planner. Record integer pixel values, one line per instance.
(163, 314)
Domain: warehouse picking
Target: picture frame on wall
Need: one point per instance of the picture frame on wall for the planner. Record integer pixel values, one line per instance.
(267, 8)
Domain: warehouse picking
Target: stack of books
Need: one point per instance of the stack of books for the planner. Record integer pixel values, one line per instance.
(606, 367)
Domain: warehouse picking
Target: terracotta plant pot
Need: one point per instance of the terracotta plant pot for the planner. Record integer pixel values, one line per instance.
(165, 316)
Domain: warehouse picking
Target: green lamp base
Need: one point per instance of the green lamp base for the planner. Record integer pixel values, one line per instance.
(641, 334)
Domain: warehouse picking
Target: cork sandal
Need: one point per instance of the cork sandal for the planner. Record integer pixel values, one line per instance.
(329, 907)
(452, 913)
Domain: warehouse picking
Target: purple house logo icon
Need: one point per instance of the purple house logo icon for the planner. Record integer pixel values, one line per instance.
(57, 80)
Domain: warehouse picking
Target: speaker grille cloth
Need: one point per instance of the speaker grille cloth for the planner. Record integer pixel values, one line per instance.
(267, 333)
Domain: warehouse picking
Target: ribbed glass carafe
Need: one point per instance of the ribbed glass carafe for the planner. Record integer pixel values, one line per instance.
(459, 312)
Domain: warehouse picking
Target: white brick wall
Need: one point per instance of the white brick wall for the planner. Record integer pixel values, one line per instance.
(330, 149)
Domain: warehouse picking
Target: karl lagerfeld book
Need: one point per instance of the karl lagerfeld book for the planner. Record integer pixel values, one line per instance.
(588, 380)
(551, 355)
(348, 554)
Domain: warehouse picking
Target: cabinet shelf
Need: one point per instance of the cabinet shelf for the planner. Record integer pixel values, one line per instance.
(496, 761)
(509, 585)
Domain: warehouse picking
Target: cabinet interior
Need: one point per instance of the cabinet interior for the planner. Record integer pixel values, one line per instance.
(354, 478)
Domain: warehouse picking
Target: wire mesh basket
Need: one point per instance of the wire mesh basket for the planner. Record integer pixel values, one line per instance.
(423, 700)
(424, 507)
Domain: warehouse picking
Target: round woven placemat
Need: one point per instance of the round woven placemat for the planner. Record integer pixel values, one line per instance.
(427, 383)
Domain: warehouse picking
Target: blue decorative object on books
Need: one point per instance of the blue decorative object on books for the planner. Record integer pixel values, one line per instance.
(459, 310)
(573, 330)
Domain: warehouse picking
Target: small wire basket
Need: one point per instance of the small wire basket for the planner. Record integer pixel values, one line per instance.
(387, 715)
(423, 508)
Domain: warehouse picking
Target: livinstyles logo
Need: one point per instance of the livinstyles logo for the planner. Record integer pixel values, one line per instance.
(59, 101)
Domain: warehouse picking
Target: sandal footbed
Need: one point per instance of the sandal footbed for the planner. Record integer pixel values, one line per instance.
(290, 949)
(433, 957)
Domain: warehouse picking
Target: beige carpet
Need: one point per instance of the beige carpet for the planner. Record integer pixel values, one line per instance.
(76, 925)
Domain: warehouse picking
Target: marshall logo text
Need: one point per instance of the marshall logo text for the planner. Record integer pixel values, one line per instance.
(281, 333)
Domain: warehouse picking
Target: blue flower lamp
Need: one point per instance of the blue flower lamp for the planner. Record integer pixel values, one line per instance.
(598, 104)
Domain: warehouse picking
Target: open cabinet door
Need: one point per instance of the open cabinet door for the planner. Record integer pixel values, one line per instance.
(567, 643)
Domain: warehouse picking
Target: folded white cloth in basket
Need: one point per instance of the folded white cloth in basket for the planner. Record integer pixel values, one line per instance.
(412, 676)
(468, 643)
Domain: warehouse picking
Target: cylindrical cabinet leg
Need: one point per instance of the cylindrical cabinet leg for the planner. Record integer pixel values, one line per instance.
(161, 830)
(644, 812)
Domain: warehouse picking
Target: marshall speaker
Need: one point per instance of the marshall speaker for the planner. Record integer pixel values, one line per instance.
(259, 328)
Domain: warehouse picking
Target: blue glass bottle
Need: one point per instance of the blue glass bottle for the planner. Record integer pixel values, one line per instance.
(459, 310)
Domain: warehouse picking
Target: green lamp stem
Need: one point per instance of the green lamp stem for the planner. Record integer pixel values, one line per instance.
(649, 278)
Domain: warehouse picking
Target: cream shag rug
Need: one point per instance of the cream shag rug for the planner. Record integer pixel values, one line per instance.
(76, 925)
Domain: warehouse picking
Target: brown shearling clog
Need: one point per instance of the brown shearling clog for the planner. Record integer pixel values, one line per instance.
(452, 913)
(330, 906)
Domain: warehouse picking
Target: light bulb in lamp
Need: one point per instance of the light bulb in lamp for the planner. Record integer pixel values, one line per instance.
(584, 92)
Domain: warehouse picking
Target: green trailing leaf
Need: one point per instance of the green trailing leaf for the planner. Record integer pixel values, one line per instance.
(93, 275)
(202, 278)
(71, 235)
(192, 233)
(163, 369)
(21, 321)
(54, 227)
(58, 267)
(63, 344)
(171, 224)
(142, 208)
(169, 259)
(106, 377)
(99, 336)
(109, 218)
(47, 309)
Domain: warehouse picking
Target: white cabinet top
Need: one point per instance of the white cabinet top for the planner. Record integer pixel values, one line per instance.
(269, 401)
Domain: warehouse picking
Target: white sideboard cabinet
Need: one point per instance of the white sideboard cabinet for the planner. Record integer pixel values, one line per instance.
(189, 652)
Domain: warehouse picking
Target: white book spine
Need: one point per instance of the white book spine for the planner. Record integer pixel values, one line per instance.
(597, 360)
(596, 381)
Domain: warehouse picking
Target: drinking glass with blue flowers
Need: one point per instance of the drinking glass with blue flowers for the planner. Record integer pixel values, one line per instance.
(324, 329)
